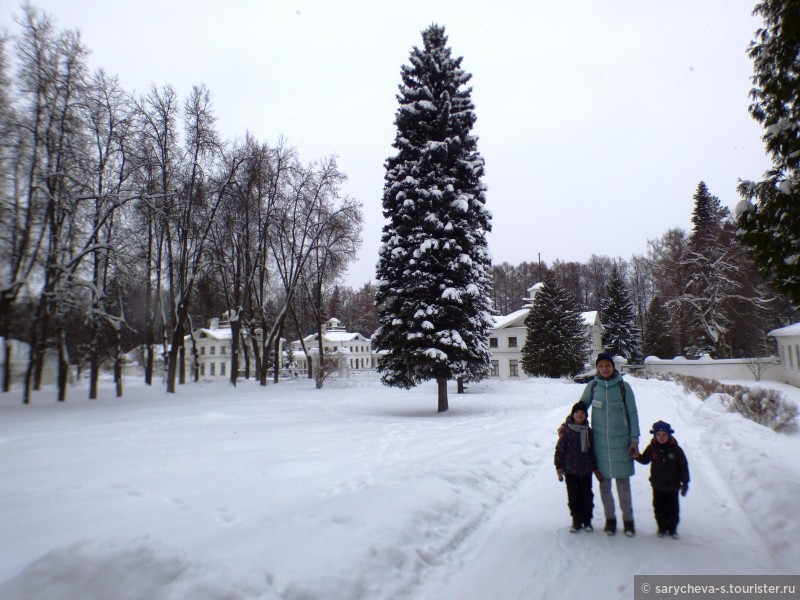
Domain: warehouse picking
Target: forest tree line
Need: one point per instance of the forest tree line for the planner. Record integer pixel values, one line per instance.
(692, 293)
(126, 220)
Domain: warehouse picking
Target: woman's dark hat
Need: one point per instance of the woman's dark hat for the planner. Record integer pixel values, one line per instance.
(604, 356)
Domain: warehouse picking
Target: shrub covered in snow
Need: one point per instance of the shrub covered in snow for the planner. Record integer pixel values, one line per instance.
(764, 406)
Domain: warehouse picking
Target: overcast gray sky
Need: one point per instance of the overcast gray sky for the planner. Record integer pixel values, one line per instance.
(596, 118)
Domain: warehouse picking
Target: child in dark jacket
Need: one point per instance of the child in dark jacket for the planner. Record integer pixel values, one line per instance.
(575, 461)
(669, 474)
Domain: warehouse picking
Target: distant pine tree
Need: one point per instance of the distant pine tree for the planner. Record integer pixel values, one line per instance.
(706, 217)
(621, 336)
(556, 343)
(771, 228)
(658, 340)
(433, 272)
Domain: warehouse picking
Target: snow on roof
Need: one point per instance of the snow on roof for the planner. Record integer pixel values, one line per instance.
(517, 318)
(503, 321)
(793, 329)
(214, 334)
(341, 336)
(335, 336)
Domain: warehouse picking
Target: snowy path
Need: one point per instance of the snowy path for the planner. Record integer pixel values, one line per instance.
(524, 549)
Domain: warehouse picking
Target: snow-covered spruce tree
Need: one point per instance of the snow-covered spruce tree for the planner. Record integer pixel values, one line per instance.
(771, 228)
(721, 291)
(556, 343)
(712, 265)
(434, 267)
(621, 336)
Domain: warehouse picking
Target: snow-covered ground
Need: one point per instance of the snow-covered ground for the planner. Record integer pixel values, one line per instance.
(360, 491)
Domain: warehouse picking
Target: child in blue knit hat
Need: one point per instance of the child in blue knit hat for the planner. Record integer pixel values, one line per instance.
(669, 474)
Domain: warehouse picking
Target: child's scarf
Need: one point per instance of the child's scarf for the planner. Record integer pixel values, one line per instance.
(584, 431)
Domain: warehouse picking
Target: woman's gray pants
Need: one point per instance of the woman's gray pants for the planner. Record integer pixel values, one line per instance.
(624, 493)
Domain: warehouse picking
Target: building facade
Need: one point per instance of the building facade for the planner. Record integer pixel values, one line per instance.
(788, 339)
(208, 350)
(509, 333)
(212, 345)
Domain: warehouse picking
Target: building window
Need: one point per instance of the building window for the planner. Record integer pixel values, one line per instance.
(222, 369)
(789, 354)
(222, 351)
(492, 342)
(512, 368)
(202, 350)
(202, 370)
(213, 368)
(797, 355)
(212, 350)
(495, 372)
(512, 342)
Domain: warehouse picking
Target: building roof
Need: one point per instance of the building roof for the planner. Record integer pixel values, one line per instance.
(517, 319)
(793, 329)
(214, 334)
(335, 337)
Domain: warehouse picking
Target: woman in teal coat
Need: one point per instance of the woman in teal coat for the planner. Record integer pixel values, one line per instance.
(615, 423)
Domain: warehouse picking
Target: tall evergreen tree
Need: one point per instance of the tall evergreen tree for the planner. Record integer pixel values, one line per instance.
(710, 263)
(771, 228)
(708, 286)
(621, 336)
(434, 267)
(556, 343)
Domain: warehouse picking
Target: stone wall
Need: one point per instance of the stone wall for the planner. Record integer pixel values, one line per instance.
(720, 369)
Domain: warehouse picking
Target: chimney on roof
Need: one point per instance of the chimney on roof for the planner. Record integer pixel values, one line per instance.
(213, 323)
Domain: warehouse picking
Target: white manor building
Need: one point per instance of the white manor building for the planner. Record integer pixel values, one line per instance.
(353, 351)
(509, 333)
(213, 345)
